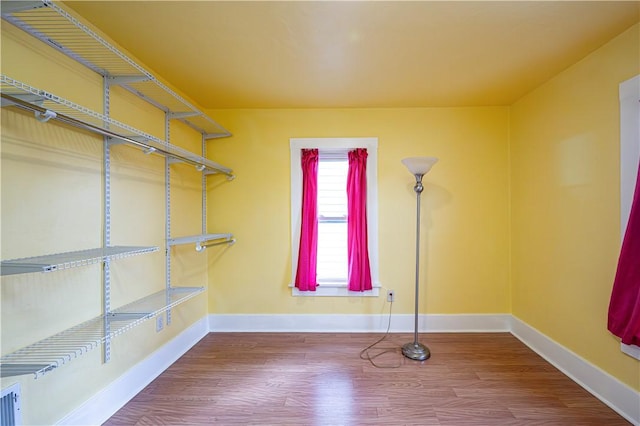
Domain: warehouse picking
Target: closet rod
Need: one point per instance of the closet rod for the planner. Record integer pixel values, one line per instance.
(200, 247)
(43, 112)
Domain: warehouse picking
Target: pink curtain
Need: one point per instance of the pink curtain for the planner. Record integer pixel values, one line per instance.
(308, 253)
(357, 243)
(624, 307)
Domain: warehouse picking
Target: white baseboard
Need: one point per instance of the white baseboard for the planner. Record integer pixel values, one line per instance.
(617, 395)
(100, 407)
(375, 323)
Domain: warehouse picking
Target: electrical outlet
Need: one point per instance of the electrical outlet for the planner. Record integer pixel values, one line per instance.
(391, 295)
(159, 323)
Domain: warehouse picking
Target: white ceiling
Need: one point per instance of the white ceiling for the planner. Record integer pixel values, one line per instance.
(301, 54)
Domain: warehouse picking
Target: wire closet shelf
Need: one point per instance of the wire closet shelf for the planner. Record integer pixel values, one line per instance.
(67, 260)
(48, 106)
(53, 25)
(59, 349)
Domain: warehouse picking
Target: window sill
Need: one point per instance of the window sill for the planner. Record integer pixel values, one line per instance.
(632, 350)
(335, 290)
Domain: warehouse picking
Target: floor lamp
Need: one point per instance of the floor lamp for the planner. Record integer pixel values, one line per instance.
(418, 166)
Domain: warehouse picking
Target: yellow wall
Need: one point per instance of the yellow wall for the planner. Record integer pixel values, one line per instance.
(465, 209)
(520, 215)
(52, 202)
(565, 190)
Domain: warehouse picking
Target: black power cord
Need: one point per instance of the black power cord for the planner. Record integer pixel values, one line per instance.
(364, 354)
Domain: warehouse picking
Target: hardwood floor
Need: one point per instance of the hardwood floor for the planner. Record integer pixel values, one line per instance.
(320, 379)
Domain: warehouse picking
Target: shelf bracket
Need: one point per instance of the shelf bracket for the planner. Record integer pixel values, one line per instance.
(142, 142)
(128, 316)
(181, 115)
(126, 79)
(208, 136)
(230, 176)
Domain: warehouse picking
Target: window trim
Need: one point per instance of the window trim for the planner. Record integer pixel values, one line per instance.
(371, 145)
(629, 146)
(629, 93)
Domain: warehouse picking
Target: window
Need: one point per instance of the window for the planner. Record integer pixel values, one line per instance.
(332, 212)
(332, 217)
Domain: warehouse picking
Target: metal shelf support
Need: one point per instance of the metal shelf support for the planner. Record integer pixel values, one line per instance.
(106, 222)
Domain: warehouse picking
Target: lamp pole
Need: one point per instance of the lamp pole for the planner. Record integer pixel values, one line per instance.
(419, 167)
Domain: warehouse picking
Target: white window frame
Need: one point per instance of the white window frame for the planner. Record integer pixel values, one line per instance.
(371, 145)
(629, 145)
(629, 156)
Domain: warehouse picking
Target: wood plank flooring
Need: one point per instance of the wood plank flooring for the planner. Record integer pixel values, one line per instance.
(320, 379)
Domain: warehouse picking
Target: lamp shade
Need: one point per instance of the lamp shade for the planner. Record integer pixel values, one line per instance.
(419, 165)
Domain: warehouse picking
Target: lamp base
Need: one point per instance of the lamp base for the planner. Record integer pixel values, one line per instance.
(415, 351)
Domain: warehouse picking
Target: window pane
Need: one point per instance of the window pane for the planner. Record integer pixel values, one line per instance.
(332, 188)
(332, 220)
(332, 251)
